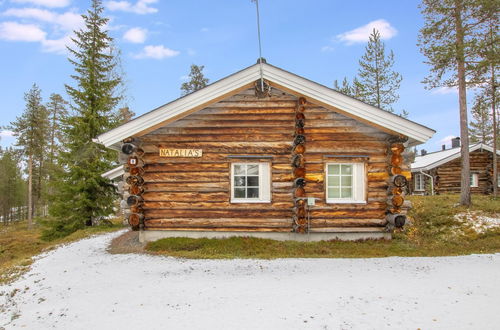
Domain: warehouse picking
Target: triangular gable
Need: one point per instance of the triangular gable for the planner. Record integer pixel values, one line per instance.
(280, 79)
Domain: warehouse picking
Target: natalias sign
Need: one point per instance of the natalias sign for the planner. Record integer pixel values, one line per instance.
(165, 152)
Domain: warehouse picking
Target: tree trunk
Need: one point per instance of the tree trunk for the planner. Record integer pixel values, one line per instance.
(30, 191)
(465, 198)
(494, 114)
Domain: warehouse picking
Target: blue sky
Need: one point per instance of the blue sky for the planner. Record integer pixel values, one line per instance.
(321, 40)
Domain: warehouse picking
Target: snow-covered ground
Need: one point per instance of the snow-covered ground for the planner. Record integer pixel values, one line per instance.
(81, 286)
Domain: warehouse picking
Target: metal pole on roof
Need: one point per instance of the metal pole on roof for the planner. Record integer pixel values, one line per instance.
(260, 45)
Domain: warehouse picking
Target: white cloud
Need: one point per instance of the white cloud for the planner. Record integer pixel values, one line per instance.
(57, 46)
(444, 90)
(362, 33)
(68, 21)
(157, 52)
(204, 29)
(140, 7)
(6, 133)
(327, 49)
(46, 3)
(13, 31)
(191, 52)
(135, 35)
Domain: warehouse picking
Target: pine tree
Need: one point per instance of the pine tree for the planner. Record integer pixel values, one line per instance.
(82, 194)
(13, 184)
(449, 41)
(125, 115)
(57, 114)
(196, 80)
(481, 127)
(378, 82)
(30, 129)
(346, 87)
(485, 72)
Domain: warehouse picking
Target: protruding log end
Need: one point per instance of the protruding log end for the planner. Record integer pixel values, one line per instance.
(128, 148)
(399, 181)
(396, 220)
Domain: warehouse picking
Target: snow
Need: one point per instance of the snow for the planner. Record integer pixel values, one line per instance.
(478, 221)
(81, 286)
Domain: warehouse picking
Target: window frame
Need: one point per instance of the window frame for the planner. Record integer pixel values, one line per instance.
(474, 180)
(419, 178)
(359, 178)
(264, 183)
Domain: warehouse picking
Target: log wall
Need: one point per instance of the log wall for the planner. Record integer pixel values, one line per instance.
(194, 193)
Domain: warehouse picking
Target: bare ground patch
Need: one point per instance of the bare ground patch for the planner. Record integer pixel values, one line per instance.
(128, 242)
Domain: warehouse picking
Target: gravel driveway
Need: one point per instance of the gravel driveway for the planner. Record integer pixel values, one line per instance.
(81, 286)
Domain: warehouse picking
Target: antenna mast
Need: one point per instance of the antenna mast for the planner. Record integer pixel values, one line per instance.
(260, 45)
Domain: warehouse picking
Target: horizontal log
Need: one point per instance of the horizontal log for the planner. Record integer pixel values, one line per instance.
(347, 230)
(186, 196)
(221, 222)
(186, 177)
(256, 212)
(187, 187)
(196, 206)
(221, 229)
(188, 167)
(319, 223)
(235, 137)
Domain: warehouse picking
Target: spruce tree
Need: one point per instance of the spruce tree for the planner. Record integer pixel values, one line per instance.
(30, 129)
(196, 80)
(83, 195)
(378, 82)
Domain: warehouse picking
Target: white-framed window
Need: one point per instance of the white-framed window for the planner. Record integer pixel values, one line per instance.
(345, 183)
(419, 182)
(474, 180)
(250, 183)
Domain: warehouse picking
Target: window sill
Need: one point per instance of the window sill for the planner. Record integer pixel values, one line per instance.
(254, 201)
(343, 201)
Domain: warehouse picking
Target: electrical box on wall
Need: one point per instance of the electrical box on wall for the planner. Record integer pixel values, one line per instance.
(311, 201)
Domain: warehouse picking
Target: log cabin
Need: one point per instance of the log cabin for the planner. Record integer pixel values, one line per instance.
(440, 172)
(265, 153)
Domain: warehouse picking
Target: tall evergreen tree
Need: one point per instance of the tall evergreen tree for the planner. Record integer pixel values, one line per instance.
(82, 194)
(449, 41)
(31, 132)
(487, 70)
(57, 115)
(196, 80)
(378, 81)
(12, 201)
(481, 127)
(125, 115)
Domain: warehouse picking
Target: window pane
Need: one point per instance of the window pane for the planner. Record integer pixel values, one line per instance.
(253, 192)
(346, 192)
(346, 169)
(253, 169)
(239, 170)
(239, 192)
(346, 181)
(333, 192)
(333, 169)
(333, 181)
(239, 181)
(253, 181)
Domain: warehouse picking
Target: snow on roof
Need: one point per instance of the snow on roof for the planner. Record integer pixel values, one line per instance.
(435, 159)
(279, 79)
